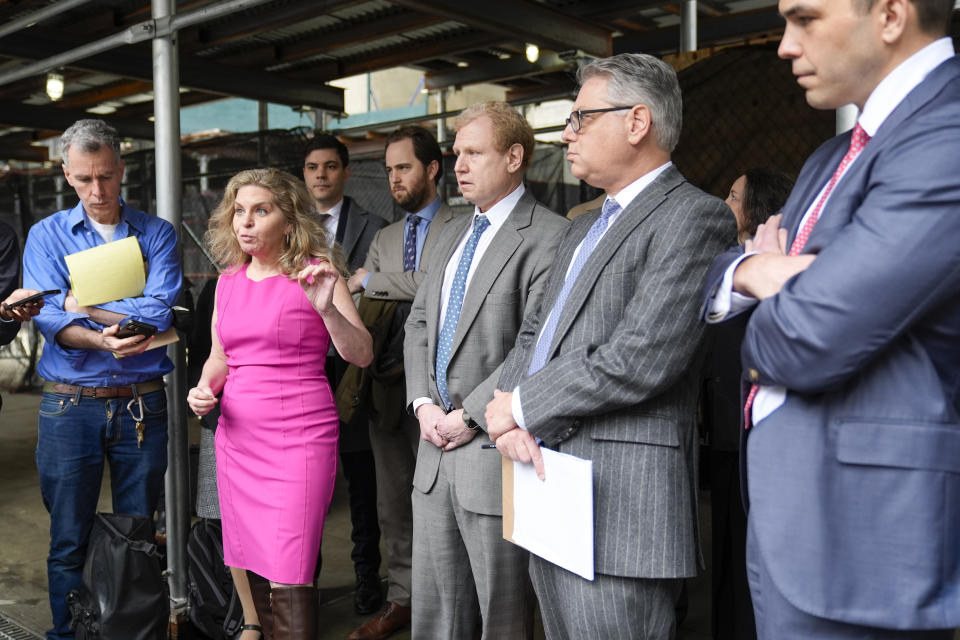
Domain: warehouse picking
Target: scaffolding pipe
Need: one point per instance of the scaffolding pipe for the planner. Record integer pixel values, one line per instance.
(688, 28)
(166, 109)
(158, 27)
(39, 16)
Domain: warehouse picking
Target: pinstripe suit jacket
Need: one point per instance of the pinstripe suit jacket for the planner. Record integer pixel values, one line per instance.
(621, 381)
(507, 284)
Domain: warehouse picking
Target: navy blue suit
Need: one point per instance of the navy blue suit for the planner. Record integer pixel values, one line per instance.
(854, 482)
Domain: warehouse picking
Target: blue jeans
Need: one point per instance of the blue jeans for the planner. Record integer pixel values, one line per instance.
(75, 435)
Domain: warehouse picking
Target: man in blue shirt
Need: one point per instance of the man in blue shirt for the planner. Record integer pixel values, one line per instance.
(389, 279)
(103, 395)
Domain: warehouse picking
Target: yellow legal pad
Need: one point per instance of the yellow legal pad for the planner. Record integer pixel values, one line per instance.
(109, 272)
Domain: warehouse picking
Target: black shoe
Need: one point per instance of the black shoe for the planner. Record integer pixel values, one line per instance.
(368, 597)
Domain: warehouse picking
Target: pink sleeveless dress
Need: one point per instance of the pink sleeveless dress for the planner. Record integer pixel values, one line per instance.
(276, 442)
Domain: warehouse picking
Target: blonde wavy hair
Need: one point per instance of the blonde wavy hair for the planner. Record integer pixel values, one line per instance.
(306, 241)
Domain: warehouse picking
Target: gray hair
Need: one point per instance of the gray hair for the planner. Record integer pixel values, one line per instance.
(89, 136)
(638, 78)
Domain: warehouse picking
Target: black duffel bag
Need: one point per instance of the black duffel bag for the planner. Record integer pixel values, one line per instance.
(123, 595)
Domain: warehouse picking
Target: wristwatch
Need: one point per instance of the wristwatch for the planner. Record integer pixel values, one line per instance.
(470, 422)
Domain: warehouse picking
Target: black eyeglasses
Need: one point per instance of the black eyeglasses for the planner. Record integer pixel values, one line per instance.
(575, 121)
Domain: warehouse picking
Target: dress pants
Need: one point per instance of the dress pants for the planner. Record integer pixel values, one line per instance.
(395, 453)
(465, 575)
(732, 608)
(574, 608)
(360, 472)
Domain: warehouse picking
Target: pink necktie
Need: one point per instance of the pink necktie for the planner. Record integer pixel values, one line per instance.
(857, 142)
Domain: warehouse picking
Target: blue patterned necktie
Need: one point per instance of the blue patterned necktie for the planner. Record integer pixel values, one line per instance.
(454, 304)
(410, 243)
(610, 208)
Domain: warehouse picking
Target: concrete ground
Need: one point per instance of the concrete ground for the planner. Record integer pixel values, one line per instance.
(24, 539)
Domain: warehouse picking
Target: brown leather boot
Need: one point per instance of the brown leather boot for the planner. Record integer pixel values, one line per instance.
(294, 613)
(260, 590)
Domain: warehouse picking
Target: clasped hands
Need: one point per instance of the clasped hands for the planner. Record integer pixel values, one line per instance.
(444, 430)
(763, 275)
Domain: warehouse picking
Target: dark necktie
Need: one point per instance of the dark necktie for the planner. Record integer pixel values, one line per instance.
(410, 243)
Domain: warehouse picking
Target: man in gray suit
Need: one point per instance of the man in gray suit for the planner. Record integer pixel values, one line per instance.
(326, 169)
(607, 369)
(389, 280)
(488, 272)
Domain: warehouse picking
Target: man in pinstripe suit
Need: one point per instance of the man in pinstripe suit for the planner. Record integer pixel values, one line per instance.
(607, 368)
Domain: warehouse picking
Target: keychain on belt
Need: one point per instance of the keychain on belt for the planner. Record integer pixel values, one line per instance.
(137, 419)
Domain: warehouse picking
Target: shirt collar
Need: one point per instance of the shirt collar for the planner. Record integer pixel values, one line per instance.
(497, 214)
(902, 80)
(128, 214)
(334, 211)
(632, 190)
(429, 211)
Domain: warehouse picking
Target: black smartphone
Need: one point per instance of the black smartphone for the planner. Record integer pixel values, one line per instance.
(130, 327)
(29, 299)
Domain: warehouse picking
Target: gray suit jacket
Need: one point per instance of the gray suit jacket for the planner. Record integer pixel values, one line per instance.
(507, 284)
(620, 384)
(388, 280)
(854, 481)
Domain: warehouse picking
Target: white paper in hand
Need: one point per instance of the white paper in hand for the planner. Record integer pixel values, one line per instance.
(554, 518)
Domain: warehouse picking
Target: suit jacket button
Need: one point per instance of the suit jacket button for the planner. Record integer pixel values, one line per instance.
(754, 375)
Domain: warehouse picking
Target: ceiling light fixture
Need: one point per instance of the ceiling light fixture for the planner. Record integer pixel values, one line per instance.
(533, 53)
(55, 85)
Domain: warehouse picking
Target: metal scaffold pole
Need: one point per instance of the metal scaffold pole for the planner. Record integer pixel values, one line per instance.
(166, 102)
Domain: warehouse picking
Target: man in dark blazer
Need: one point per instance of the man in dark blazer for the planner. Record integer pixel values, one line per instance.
(488, 272)
(853, 447)
(389, 279)
(608, 368)
(326, 168)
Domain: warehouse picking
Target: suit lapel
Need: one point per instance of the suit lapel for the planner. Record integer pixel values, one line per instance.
(492, 264)
(633, 216)
(443, 216)
(355, 224)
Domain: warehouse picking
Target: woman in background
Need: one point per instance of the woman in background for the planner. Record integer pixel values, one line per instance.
(754, 197)
(280, 301)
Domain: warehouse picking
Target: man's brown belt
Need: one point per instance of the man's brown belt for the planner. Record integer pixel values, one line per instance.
(104, 392)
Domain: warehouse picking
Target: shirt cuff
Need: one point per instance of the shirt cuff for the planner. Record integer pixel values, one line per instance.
(365, 280)
(725, 300)
(517, 409)
(419, 402)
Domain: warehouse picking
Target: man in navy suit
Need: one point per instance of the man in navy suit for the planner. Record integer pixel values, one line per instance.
(853, 346)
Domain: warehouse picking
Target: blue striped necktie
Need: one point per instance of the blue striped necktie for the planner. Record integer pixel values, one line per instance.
(610, 208)
(454, 305)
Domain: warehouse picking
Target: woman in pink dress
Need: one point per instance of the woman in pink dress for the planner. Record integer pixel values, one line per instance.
(281, 300)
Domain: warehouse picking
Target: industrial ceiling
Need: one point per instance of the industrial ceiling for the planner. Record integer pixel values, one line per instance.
(286, 51)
